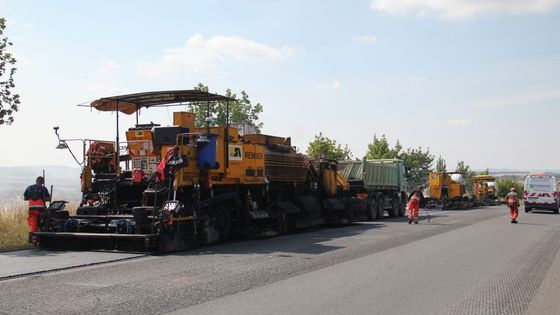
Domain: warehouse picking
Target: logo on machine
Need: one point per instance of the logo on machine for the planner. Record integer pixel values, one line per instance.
(236, 153)
(254, 155)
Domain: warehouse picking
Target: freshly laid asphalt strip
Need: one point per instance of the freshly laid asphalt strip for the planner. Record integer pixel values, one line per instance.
(25, 262)
(491, 267)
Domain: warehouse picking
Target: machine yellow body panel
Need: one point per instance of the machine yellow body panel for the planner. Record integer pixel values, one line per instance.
(245, 163)
(436, 180)
(439, 181)
(456, 190)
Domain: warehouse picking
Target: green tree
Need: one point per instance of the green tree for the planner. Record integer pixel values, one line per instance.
(8, 101)
(379, 148)
(418, 162)
(441, 166)
(240, 111)
(504, 186)
(327, 148)
(469, 174)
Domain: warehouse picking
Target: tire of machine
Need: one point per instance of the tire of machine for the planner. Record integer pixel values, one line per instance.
(380, 208)
(372, 209)
(282, 222)
(221, 220)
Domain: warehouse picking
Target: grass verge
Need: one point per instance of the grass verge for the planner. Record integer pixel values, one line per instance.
(14, 231)
(13, 225)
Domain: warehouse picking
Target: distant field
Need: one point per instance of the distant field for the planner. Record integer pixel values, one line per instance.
(14, 180)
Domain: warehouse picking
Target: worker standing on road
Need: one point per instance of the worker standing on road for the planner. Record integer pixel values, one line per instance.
(418, 191)
(513, 203)
(414, 208)
(37, 195)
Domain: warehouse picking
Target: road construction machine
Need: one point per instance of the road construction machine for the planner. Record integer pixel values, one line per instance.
(484, 190)
(174, 187)
(447, 190)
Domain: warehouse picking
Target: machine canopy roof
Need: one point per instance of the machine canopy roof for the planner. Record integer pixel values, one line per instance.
(130, 103)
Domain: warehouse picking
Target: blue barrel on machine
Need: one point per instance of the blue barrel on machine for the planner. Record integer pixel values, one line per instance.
(206, 147)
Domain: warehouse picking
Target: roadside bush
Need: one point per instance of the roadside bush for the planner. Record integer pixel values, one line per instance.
(504, 186)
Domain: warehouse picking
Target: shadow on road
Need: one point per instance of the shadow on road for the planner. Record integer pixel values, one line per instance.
(523, 223)
(307, 242)
(543, 212)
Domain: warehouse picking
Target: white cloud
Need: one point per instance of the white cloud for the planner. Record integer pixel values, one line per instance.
(417, 79)
(365, 39)
(527, 98)
(461, 9)
(107, 67)
(459, 123)
(392, 80)
(103, 80)
(208, 55)
(334, 85)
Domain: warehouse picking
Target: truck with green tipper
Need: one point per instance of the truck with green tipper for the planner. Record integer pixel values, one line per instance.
(381, 185)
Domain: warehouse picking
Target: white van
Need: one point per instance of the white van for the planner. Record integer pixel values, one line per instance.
(541, 192)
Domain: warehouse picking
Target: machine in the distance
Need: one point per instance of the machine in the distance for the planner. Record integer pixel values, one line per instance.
(447, 190)
(484, 190)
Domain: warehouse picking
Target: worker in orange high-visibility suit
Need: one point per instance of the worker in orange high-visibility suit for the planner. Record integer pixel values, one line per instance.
(37, 195)
(513, 203)
(414, 208)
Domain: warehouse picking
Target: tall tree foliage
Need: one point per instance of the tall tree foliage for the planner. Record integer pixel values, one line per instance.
(327, 148)
(379, 148)
(8, 101)
(240, 111)
(418, 162)
(469, 174)
(441, 166)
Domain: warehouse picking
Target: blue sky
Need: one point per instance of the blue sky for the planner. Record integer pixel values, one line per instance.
(477, 81)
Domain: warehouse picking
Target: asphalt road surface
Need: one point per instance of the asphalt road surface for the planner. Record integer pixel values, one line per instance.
(463, 262)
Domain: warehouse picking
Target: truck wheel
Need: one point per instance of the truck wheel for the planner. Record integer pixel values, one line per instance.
(395, 207)
(372, 211)
(380, 208)
(402, 204)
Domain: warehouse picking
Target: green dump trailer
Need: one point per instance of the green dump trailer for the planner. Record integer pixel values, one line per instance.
(380, 185)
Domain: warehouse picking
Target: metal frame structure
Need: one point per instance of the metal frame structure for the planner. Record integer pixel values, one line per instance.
(132, 103)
